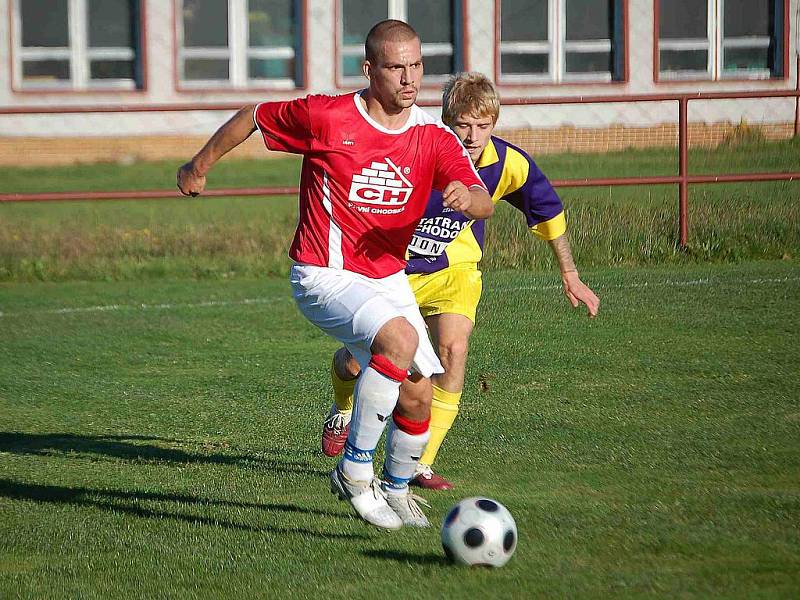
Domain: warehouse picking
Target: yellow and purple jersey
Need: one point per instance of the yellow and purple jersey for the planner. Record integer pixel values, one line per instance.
(445, 237)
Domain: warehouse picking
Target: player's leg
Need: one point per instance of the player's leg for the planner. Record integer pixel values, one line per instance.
(405, 441)
(344, 373)
(408, 431)
(357, 311)
(376, 393)
(450, 333)
(449, 301)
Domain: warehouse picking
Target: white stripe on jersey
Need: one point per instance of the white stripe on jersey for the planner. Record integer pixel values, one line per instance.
(335, 257)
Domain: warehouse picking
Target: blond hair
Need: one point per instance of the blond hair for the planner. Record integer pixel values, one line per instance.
(471, 94)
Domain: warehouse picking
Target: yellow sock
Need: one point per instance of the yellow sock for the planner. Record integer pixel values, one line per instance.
(343, 391)
(443, 413)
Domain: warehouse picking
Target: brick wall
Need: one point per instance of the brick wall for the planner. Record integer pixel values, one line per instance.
(572, 139)
(36, 151)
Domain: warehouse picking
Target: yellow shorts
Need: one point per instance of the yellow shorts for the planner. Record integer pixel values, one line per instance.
(454, 290)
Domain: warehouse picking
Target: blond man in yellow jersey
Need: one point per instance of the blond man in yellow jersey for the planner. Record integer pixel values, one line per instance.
(443, 262)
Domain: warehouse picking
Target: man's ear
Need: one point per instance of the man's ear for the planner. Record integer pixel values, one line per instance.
(366, 69)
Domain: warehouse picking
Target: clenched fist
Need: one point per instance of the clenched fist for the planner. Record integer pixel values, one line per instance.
(190, 182)
(457, 196)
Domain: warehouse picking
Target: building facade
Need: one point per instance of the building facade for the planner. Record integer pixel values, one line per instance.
(200, 54)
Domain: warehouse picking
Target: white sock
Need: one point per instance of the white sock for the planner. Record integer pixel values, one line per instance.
(375, 398)
(403, 450)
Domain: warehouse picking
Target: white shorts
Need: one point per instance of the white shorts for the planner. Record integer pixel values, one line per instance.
(352, 308)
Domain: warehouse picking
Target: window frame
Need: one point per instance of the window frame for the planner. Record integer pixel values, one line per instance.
(557, 47)
(79, 54)
(238, 52)
(716, 44)
(397, 9)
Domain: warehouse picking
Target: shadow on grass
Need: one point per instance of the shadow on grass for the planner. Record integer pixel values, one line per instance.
(131, 447)
(406, 557)
(126, 502)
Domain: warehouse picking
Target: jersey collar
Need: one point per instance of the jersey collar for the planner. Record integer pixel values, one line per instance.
(488, 156)
(412, 116)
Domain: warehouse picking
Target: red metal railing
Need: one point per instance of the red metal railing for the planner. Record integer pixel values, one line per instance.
(682, 179)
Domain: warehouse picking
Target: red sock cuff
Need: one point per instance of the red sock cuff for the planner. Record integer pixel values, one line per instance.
(387, 368)
(410, 426)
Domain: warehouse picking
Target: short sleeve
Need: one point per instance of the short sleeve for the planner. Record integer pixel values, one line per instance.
(534, 196)
(453, 164)
(285, 126)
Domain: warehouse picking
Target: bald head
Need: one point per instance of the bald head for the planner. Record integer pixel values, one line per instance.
(387, 31)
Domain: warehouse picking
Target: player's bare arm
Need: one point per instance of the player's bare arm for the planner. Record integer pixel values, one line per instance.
(474, 202)
(192, 175)
(574, 289)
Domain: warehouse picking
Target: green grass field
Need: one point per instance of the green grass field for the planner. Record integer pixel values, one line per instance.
(225, 238)
(159, 439)
(161, 398)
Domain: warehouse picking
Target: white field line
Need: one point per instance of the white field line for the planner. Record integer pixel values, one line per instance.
(261, 301)
(648, 284)
(128, 307)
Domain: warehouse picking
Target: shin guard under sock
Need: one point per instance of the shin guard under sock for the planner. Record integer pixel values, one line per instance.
(375, 398)
(404, 445)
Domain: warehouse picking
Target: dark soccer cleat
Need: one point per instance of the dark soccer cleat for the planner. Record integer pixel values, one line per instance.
(334, 432)
(427, 479)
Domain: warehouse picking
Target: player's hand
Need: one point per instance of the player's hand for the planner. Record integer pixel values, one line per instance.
(457, 196)
(190, 182)
(576, 292)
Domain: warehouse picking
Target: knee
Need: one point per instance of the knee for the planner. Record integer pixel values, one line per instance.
(397, 341)
(453, 352)
(408, 341)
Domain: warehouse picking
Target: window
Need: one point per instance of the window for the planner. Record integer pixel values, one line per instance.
(438, 23)
(240, 43)
(77, 44)
(715, 39)
(561, 40)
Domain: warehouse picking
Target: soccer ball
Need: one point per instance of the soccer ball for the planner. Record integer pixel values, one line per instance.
(479, 531)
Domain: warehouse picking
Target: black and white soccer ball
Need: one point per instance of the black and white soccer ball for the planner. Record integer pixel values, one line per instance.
(479, 531)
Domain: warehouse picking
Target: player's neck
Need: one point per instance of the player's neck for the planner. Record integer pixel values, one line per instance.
(378, 113)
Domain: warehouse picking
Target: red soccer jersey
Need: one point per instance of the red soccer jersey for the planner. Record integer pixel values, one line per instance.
(363, 187)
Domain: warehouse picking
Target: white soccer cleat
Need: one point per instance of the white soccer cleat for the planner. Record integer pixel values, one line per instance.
(405, 506)
(368, 500)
